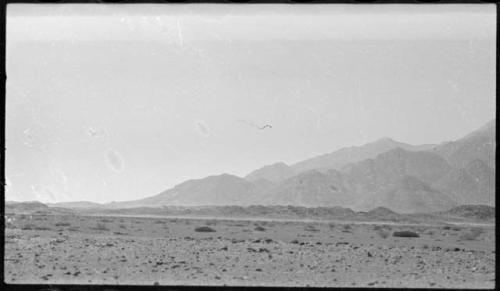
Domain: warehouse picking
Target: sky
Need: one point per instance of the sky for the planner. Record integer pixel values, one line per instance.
(121, 102)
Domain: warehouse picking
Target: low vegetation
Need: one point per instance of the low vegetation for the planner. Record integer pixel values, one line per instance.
(260, 228)
(310, 228)
(347, 228)
(204, 229)
(454, 228)
(405, 233)
(100, 227)
(34, 227)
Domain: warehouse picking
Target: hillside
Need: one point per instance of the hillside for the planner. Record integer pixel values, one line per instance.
(384, 173)
(344, 156)
(274, 173)
(411, 195)
(311, 188)
(474, 184)
(222, 189)
(479, 144)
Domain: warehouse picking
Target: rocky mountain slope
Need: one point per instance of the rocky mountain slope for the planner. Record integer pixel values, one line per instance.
(310, 189)
(222, 189)
(479, 144)
(274, 173)
(473, 184)
(344, 156)
(385, 173)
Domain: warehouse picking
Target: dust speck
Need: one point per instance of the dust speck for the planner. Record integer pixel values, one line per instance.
(202, 128)
(115, 161)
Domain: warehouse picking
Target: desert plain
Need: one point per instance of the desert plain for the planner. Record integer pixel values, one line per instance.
(131, 250)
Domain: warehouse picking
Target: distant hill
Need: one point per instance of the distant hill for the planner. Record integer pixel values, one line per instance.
(381, 214)
(482, 212)
(344, 156)
(28, 205)
(222, 189)
(76, 204)
(33, 207)
(274, 173)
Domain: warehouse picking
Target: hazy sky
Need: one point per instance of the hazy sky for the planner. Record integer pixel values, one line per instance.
(120, 102)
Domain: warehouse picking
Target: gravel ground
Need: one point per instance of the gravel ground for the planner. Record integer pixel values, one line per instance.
(147, 251)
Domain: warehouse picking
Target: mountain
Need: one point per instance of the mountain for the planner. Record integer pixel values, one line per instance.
(339, 158)
(479, 144)
(397, 179)
(274, 173)
(473, 184)
(377, 174)
(411, 195)
(310, 189)
(263, 185)
(384, 173)
(222, 189)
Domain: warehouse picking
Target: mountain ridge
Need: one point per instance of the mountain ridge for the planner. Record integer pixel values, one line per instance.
(421, 178)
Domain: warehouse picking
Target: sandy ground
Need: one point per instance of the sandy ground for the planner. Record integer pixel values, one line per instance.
(146, 251)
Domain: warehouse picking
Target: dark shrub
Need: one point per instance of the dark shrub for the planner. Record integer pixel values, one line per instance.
(310, 228)
(100, 226)
(63, 224)
(204, 229)
(347, 228)
(34, 227)
(260, 228)
(405, 233)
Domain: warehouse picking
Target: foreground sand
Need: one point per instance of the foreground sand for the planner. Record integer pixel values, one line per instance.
(51, 249)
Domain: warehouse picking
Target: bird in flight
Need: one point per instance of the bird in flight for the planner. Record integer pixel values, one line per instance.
(255, 125)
